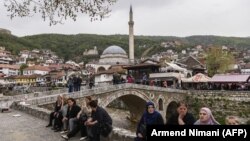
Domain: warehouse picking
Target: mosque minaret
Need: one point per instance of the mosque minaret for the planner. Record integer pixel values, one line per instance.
(131, 36)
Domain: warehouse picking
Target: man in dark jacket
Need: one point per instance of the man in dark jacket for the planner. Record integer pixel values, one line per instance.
(99, 117)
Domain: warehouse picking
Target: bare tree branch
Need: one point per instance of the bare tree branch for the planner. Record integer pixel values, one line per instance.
(56, 11)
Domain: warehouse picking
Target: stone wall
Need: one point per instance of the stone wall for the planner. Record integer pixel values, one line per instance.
(222, 103)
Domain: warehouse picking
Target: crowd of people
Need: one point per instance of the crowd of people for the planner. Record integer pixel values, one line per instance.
(93, 121)
(90, 119)
(74, 83)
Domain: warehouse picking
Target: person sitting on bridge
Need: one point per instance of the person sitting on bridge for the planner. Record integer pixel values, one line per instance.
(149, 117)
(182, 117)
(100, 122)
(72, 112)
(57, 107)
(206, 117)
(232, 120)
(62, 113)
(82, 117)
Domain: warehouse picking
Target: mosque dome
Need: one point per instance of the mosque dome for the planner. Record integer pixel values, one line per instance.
(114, 55)
(114, 50)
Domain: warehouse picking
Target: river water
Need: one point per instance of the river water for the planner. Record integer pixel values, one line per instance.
(121, 120)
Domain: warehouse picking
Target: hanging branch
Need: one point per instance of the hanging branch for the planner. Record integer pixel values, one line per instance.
(56, 11)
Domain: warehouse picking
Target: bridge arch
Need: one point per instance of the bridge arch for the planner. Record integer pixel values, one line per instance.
(135, 101)
(100, 69)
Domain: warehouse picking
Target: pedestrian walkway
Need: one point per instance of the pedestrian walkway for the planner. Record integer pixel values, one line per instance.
(26, 128)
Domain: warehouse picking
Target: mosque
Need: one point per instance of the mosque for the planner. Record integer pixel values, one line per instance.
(114, 57)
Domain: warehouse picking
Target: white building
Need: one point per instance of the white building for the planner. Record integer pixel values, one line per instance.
(9, 70)
(91, 51)
(49, 61)
(42, 70)
(25, 53)
(5, 59)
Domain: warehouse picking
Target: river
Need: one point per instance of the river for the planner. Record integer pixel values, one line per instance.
(120, 119)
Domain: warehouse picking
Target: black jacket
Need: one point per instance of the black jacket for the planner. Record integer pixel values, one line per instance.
(73, 112)
(188, 119)
(101, 115)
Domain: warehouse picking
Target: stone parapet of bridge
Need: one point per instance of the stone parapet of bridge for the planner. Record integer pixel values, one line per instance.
(229, 95)
(101, 90)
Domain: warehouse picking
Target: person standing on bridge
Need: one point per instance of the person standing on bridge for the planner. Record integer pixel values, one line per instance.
(91, 80)
(70, 84)
(149, 117)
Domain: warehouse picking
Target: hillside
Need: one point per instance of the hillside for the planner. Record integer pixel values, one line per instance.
(72, 46)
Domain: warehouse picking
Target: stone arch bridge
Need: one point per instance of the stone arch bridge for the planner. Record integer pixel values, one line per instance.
(132, 95)
(135, 97)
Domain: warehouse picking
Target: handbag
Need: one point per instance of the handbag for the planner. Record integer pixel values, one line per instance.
(106, 129)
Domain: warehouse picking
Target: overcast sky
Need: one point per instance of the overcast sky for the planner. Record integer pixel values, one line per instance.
(151, 17)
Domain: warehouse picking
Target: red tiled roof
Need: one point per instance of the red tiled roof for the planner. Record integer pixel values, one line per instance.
(10, 66)
(2, 75)
(230, 78)
(41, 68)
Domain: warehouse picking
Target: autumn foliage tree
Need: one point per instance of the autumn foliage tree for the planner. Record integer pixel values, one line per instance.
(218, 61)
(57, 11)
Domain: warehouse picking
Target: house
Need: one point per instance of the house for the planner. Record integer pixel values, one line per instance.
(56, 77)
(26, 80)
(9, 70)
(42, 70)
(192, 64)
(5, 59)
(106, 76)
(24, 53)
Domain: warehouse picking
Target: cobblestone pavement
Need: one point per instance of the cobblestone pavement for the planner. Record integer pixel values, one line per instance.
(27, 128)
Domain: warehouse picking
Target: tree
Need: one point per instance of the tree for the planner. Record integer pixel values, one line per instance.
(218, 61)
(58, 10)
(22, 67)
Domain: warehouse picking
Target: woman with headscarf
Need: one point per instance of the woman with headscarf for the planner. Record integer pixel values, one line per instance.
(206, 117)
(149, 117)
